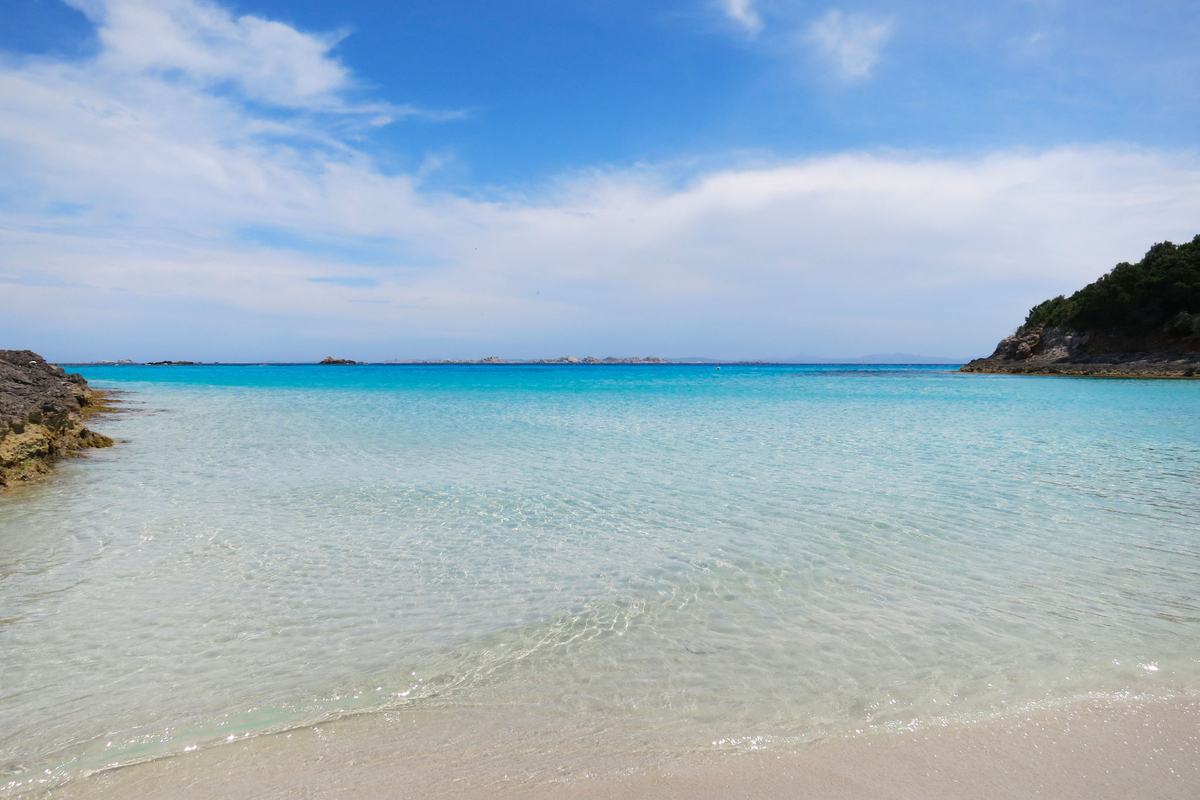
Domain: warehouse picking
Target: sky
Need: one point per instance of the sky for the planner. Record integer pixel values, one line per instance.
(732, 179)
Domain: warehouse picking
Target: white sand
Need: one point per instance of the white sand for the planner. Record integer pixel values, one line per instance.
(1103, 748)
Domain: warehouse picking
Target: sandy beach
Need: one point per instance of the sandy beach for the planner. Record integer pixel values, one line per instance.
(1111, 747)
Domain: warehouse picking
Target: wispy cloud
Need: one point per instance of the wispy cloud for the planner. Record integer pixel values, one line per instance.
(743, 13)
(1032, 45)
(850, 43)
(204, 45)
(349, 281)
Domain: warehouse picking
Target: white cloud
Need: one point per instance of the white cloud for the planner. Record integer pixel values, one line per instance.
(203, 43)
(1032, 46)
(851, 43)
(161, 218)
(200, 43)
(744, 14)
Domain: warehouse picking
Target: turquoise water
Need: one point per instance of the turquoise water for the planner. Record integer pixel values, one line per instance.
(681, 555)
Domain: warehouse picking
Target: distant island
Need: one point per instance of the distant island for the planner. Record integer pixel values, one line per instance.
(1138, 320)
(560, 360)
(564, 360)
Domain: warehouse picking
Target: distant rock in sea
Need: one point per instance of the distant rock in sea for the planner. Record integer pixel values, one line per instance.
(337, 361)
(559, 360)
(42, 411)
(630, 360)
(1139, 320)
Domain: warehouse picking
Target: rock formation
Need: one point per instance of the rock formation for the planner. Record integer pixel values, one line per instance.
(1138, 320)
(610, 360)
(337, 361)
(42, 414)
(1057, 351)
(560, 360)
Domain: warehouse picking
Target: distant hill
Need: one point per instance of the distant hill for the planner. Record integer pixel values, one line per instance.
(1137, 319)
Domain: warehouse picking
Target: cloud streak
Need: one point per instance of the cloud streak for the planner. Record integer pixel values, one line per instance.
(744, 15)
(850, 43)
(202, 45)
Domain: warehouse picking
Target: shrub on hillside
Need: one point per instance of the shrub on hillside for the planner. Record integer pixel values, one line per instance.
(1162, 291)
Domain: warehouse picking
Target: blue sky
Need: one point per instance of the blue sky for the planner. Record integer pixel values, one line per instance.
(735, 178)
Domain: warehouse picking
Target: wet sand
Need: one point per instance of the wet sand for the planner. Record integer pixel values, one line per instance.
(1100, 748)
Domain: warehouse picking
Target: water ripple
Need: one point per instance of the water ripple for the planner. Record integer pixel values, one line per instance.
(767, 553)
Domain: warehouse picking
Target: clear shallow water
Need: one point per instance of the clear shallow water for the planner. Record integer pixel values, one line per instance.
(692, 555)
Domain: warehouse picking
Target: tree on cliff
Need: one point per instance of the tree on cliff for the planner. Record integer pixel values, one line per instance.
(1160, 292)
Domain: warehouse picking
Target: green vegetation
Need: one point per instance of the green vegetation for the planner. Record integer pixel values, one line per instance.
(1159, 293)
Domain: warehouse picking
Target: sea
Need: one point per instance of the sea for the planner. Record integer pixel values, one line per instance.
(662, 557)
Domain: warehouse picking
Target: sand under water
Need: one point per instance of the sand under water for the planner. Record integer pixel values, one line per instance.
(609, 581)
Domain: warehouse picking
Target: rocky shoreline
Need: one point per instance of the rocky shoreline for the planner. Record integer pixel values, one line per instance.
(42, 414)
(1057, 351)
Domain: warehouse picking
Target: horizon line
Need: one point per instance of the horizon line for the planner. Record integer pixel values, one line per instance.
(521, 362)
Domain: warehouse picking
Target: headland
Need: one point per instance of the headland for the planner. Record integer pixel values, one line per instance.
(1137, 321)
(42, 414)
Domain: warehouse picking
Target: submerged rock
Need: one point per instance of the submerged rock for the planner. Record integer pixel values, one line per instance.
(42, 413)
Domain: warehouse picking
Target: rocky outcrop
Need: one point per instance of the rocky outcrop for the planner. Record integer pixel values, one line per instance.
(560, 360)
(1136, 320)
(607, 360)
(330, 360)
(1057, 351)
(42, 415)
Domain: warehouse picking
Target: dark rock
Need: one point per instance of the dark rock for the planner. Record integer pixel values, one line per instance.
(1057, 351)
(41, 413)
(337, 361)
